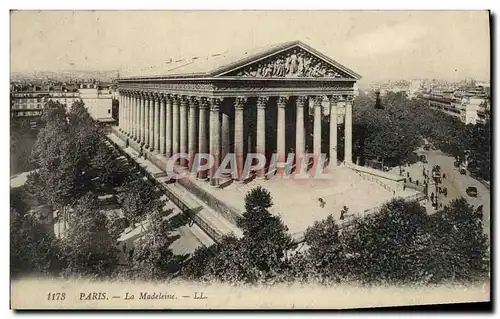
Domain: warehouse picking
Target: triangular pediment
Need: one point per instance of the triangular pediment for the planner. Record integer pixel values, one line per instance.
(295, 61)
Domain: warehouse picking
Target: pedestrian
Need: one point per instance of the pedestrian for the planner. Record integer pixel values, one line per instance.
(444, 175)
(321, 202)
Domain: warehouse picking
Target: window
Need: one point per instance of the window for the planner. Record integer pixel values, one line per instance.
(109, 111)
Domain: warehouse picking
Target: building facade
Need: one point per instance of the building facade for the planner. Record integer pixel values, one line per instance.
(29, 100)
(98, 99)
(260, 102)
(31, 103)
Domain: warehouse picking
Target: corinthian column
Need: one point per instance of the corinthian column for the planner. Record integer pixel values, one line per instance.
(239, 139)
(120, 111)
(214, 139)
(299, 131)
(348, 130)
(333, 131)
(193, 123)
(129, 113)
(280, 142)
(151, 121)
(162, 124)
(137, 116)
(168, 128)
(156, 116)
(317, 127)
(132, 115)
(147, 123)
(261, 129)
(225, 135)
(184, 127)
(175, 125)
(143, 118)
(203, 147)
(125, 109)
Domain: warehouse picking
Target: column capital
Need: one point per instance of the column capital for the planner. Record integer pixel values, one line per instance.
(239, 102)
(175, 98)
(184, 99)
(167, 97)
(150, 96)
(262, 102)
(194, 101)
(162, 97)
(349, 98)
(301, 100)
(203, 102)
(146, 95)
(282, 100)
(334, 98)
(215, 104)
(156, 96)
(317, 100)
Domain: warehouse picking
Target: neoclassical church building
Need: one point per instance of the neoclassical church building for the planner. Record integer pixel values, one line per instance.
(284, 99)
(227, 103)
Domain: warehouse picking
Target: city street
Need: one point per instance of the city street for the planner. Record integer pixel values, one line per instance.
(457, 184)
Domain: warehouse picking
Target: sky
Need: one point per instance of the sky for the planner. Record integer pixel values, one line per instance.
(450, 45)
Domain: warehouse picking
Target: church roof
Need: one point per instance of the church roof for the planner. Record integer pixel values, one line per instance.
(217, 65)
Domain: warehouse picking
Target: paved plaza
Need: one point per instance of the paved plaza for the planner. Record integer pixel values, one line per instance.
(297, 201)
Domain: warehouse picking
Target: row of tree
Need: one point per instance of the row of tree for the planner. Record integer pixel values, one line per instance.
(400, 244)
(393, 133)
(74, 165)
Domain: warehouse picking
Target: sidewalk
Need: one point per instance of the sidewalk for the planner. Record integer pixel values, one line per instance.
(206, 216)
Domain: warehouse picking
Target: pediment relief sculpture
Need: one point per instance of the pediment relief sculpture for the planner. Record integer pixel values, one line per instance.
(292, 63)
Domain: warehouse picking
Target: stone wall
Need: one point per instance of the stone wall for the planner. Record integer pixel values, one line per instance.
(389, 181)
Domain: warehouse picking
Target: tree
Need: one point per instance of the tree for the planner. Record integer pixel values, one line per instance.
(231, 263)
(458, 248)
(88, 248)
(152, 257)
(110, 170)
(137, 199)
(325, 252)
(389, 135)
(196, 266)
(63, 152)
(264, 235)
(479, 141)
(383, 246)
(260, 256)
(32, 245)
(22, 141)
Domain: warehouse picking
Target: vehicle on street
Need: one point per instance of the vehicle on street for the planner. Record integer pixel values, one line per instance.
(471, 191)
(462, 171)
(427, 147)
